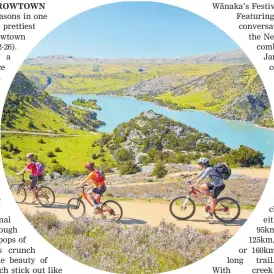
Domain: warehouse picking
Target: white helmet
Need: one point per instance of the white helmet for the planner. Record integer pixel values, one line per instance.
(203, 161)
(30, 156)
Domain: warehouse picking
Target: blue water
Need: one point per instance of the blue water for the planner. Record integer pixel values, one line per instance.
(116, 110)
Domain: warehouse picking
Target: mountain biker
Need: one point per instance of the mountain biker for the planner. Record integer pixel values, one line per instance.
(35, 176)
(99, 181)
(214, 187)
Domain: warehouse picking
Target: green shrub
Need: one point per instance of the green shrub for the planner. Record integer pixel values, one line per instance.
(95, 156)
(41, 141)
(6, 155)
(50, 154)
(246, 157)
(182, 158)
(58, 149)
(31, 124)
(128, 167)
(58, 168)
(144, 159)
(159, 170)
(54, 161)
(124, 155)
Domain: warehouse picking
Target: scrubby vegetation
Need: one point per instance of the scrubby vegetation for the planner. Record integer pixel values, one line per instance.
(244, 157)
(142, 249)
(86, 103)
(159, 170)
(151, 138)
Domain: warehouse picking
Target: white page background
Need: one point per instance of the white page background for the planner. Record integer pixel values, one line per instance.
(60, 11)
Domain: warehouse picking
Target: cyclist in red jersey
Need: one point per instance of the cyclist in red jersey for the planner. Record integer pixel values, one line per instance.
(31, 167)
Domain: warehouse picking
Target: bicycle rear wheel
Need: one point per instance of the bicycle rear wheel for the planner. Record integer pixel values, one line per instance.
(45, 196)
(227, 210)
(76, 208)
(112, 210)
(19, 193)
(182, 208)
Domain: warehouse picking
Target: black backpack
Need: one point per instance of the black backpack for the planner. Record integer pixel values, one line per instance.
(223, 170)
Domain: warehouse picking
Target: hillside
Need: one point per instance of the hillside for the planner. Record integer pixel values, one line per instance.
(235, 93)
(222, 84)
(28, 109)
(152, 137)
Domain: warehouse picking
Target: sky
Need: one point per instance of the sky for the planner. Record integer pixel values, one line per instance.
(135, 30)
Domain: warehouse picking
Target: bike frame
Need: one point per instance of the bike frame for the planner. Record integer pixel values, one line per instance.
(196, 192)
(24, 184)
(84, 195)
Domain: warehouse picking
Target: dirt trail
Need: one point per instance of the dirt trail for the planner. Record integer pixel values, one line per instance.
(140, 212)
(258, 173)
(39, 133)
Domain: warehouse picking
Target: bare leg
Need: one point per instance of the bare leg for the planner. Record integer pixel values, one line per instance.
(204, 189)
(90, 196)
(212, 205)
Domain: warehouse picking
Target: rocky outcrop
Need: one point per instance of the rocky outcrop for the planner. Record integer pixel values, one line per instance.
(151, 133)
(152, 87)
(248, 107)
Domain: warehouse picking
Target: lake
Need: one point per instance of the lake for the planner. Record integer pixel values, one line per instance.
(118, 109)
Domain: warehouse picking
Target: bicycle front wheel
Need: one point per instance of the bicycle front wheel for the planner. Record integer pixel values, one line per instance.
(182, 208)
(45, 196)
(76, 208)
(19, 193)
(112, 210)
(227, 210)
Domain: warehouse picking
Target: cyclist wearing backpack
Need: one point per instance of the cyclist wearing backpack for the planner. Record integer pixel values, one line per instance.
(98, 178)
(37, 173)
(214, 187)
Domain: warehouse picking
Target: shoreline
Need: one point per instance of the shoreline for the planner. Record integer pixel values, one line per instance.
(166, 107)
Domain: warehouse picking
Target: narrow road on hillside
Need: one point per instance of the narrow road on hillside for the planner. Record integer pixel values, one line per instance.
(37, 133)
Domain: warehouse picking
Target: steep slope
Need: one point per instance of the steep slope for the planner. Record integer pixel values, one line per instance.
(235, 93)
(248, 107)
(26, 108)
(266, 120)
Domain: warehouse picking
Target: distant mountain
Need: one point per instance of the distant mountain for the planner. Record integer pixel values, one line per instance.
(28, 109)
(233, 57)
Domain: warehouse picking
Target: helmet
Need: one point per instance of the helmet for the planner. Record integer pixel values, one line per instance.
(203, 161)
(89, 165)
(30, 156)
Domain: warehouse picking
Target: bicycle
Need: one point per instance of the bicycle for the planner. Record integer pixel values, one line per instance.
(110, 207)
(184, 205)
(44, 194)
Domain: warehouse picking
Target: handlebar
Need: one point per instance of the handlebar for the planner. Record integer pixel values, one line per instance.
(22, 175)
(83, 187)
